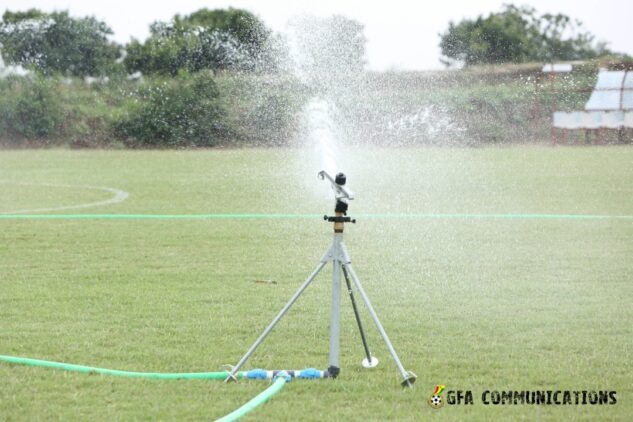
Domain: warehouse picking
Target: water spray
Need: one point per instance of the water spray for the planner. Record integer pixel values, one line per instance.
(339, 257)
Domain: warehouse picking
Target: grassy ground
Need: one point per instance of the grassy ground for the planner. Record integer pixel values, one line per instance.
(473, 303)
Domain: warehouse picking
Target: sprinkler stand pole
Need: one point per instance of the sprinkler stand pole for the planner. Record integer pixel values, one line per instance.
(335, 316)
(369, 361)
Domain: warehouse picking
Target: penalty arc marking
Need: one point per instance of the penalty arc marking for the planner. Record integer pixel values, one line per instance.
(118, 195)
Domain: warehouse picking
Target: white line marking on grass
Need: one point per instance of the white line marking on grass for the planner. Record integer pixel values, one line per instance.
(118, 196)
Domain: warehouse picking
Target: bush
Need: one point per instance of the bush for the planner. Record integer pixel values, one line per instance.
(262, 110)
(29, 109)
(183, 111)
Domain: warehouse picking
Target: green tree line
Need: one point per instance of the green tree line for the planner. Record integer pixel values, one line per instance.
(236, 39)
(207, 39)
(518, 35)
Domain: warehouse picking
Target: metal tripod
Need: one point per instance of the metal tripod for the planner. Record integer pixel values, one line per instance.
(339, 257)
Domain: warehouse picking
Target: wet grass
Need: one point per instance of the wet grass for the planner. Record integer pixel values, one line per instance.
(473, 303)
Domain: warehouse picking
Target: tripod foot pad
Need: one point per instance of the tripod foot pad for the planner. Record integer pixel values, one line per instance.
(333, 371)
(370, 363)
(409, 380)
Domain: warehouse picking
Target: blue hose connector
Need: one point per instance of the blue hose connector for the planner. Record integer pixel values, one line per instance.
(283, 374)
(257, 374)
(309, 373)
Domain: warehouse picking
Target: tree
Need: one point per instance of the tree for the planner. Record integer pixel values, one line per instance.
(15, 17)
(206, 39)
(517, 35)
(250, 32)
(57, 42)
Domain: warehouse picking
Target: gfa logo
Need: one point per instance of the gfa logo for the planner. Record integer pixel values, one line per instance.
(436, 400)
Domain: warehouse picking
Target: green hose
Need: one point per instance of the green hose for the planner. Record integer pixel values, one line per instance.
(92, 370)
(256, 401)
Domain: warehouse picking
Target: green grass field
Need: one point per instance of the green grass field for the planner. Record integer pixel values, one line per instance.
(486, 302)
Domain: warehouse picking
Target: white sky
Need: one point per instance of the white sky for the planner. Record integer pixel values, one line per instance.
(402, 35)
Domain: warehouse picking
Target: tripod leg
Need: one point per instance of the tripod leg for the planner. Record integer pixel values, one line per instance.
(370, 362)
(408, 377)
(335, 321)
(270, 327)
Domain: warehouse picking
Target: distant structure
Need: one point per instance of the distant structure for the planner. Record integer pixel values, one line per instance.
(554, 68)
(609, 107)
(551, 71)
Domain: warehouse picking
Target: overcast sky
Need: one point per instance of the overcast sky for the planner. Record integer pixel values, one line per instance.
(402, 35)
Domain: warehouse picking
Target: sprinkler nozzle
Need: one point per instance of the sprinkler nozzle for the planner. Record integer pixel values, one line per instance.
(340, 191)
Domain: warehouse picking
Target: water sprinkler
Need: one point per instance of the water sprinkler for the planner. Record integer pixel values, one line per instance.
(342, 264)
(338, 185)
(341, 196)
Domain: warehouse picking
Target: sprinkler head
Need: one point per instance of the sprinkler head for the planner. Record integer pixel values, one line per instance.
(340, 191)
